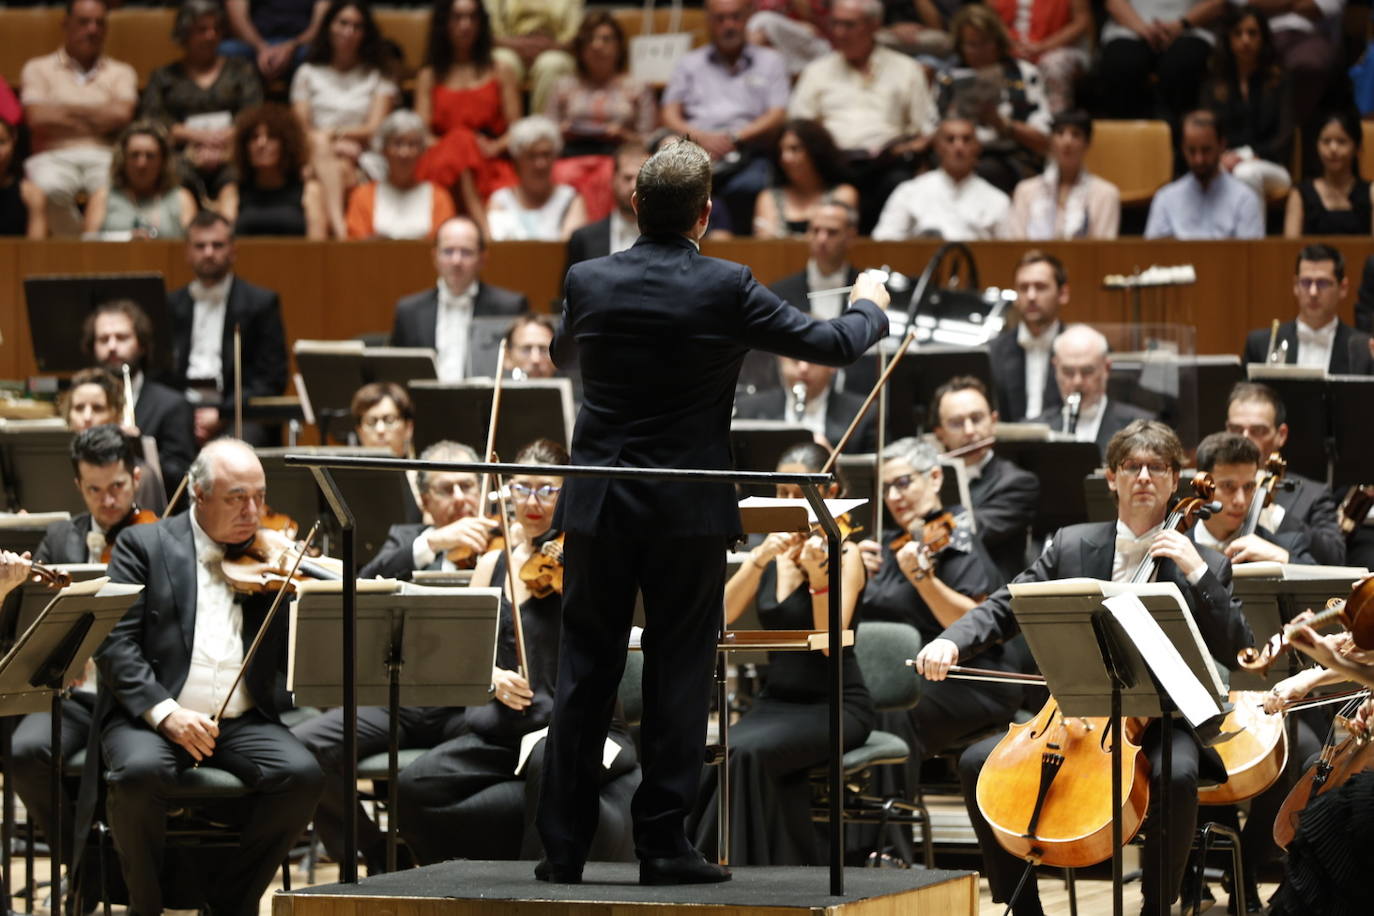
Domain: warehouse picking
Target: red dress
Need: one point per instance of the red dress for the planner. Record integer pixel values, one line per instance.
(458, 115)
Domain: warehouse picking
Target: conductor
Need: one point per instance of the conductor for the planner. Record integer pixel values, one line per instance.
(659, 332)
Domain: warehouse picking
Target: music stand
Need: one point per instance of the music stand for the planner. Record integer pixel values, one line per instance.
(334, 370)
(1349, 404)
(484, 343)
(914, 381)
(58, 305)
(38, 466)
(377, 495)
(1061, 467)
(19, 533)
(1305, 395)
(758, 444)
(460, 411)
(430, 647)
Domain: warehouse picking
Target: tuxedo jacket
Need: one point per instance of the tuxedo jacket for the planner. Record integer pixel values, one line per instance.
(591, 241)
(1004, 500)
(1349, 353)
(793, 288)
(396, 560)
(1310, 509)
(417, 314)
(257, 312)
(1087, 551)
(1364, 299)
(147, 656)
(659, 332)
(840, 408)
(166, 415)
(1009, 379)
(65, 541)
(1116, 418)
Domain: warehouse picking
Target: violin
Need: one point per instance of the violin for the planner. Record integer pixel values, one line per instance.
(935, 534)
(136, 517)
(542, 573)
(1355, 508)
(464, 557)
(264, 564)
(52, 578)
(1352, 612)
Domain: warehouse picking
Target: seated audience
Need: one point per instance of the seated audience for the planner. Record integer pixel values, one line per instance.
(1004, 497)
(23, 205)
(1053, 35)
(76, 100)
(341, 94)
(1317, 337)
(1236, 466)
(873, 100)
(11, 111)
(1066, 201)
(273, 196)
(533, 39)
(198, 97)
(1206, 203)
(535, 209)
(800, 32)
(730, 97)
(384, 417)
(1082, 367)
(399, 205)
(1308, 42)
(1253, 101)
(599, 109)
(809, 397)
(528, 343)
(468, 100)
(1153, 57)
(275, 34)
(164, 668)
(830, 231)
(1338, 201)
(918, 28)
(1002, 95)
(96, 398)
(620, 229)
(785, 733)
(1021, 369)
(144, 199)
(441, 317)
(810, 172)
(950, 202)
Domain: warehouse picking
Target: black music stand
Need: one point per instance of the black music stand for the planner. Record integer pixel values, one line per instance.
(58, 306)
(334, 370)
(758, 444)
(37, 466)
(1061, 467)
(461, 411)
(1306, 399)
(19, 533)
(436, 647)
(914, 381)
(1350, 397)
(378, 496)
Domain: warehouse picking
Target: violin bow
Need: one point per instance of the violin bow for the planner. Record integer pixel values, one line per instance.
(517, 624)
(238, 381)
(176, 494)
(491, 425)
(267, 621)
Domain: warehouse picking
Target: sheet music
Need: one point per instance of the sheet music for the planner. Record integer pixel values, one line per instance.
(1173, 674)
(530, 739)
(837, 507)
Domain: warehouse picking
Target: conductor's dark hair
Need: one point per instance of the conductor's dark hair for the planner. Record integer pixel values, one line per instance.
(1257, 391)
(542, 451)
(1226, 448)
(1320, 252)
(673, 188)
(1150, 436)
(100, 446)
(813, 457)
(958, 383)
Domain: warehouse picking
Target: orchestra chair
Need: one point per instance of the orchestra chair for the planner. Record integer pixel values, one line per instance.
(881, 649)
(1136, 156)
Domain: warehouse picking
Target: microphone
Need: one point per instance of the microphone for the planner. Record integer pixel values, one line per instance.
(799, 401)
(1072, 403)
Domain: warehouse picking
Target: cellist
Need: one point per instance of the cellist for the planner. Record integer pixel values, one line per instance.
(1143, 464)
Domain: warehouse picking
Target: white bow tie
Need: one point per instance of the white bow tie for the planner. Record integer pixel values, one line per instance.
(1319, 338)
(95, 544)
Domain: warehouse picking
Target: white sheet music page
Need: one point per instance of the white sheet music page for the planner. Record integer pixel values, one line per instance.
(530, 739)
(1177, 679)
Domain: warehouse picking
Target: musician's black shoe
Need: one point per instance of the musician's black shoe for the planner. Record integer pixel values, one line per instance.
(558, 874)
(691, 868)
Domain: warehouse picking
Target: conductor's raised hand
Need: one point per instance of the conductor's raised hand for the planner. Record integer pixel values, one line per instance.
(936, 658)
(194, 731)
(867, 286)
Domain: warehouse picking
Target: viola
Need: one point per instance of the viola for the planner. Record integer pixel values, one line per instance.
(52, 578)
(264, 564)
(464, 557)
(935, 534)
(1254, 750)
(1354, 612)
(137, 517)
(542, 573)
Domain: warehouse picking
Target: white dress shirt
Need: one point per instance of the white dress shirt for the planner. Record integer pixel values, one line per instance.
(1130, 550)
(814, 416)
(1315, 344)
(934, 204)
(826, 307)
(1204, 538)
(423, 555)
(624, 233)
(206, 361)
(451, 330)
(1089, 421)
(1037, 349)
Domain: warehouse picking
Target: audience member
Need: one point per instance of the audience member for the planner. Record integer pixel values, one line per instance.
(274, 34)
(527, 348)
(812, 172)
(198, 97)
(144, 199)
(205, 314)
(1317, 337)
(800, 32)
(23, 206)
(75, 101)
(469, 100)
(1004, 497)
(1053, 35)
(730, 97)
(1338, 201)
(1154, 53)
(118, 333)
(533, 39)
(384, 417)
(598, 109)
(441, 317)
(399, 205)
(1082, 367)
(874, 101)
(1208, 202)
(341, 94)
(917, 27)
(1003, 96)
(11, 111)
(162, 667)
(272, 195)
(620, 229)
(809, 397)
(1236, 466)
(1066, 201)
(1253, 101)
(535, 209)
(1308, 40)
(829, 233)
(950, 202)
(1021, 370)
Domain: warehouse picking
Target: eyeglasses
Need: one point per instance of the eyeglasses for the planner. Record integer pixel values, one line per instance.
(900, 483)
(531, 349)
(545, 494)
(1318, 284)
(387, 421)
(1157, 469)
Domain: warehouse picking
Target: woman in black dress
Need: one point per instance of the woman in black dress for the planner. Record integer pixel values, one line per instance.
(272, 195)
(1339, 201)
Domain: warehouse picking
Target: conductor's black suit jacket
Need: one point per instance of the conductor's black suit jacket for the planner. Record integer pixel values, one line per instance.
(660, 332)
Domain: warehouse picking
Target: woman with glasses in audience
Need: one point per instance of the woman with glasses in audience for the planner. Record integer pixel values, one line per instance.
(465, 798)
(786, 732)
(96, 398)
(399, 205)
(1339, 201)
(341, 94)
(383, 417)
(273, 195)
(536, 208)
(144, 199)
(811, 172)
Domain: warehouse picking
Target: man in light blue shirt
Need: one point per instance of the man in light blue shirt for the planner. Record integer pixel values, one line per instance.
(1207, 203)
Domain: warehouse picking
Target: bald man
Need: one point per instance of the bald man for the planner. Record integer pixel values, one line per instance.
(1082, 366)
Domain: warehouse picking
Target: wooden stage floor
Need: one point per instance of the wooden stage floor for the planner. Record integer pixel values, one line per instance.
(472, 888)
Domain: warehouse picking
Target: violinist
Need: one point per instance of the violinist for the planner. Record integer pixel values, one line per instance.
(1235, 463)
(1004, 496)
(166, 669)
(785, 733)
(1143, 466)
(95, 398)
(451, 803)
